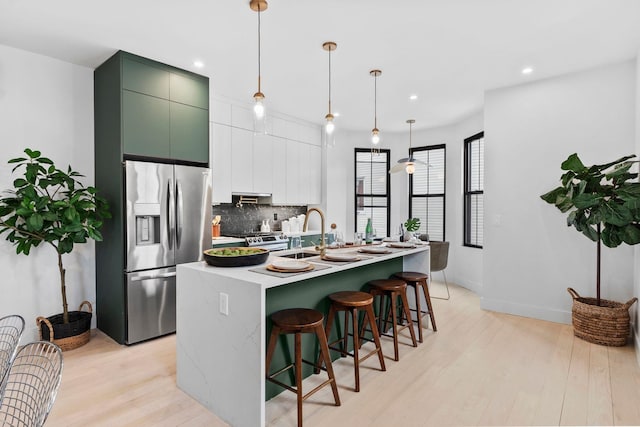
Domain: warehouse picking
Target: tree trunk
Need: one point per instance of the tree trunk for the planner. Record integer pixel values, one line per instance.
(63, 289)
(598, 270)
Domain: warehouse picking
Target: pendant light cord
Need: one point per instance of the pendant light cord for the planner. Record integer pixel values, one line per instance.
(259, 47)
(375, 101)
(329, 80)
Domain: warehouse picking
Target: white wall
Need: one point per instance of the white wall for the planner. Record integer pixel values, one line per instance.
(45, 104)
(530, 255)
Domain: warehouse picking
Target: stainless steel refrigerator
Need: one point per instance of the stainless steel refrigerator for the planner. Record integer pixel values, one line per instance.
(168, 216)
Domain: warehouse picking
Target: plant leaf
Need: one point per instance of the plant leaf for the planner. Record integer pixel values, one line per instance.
(573, 163)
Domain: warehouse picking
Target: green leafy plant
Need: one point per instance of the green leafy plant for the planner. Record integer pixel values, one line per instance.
(412, 224)
(603, 202)
(50, 205)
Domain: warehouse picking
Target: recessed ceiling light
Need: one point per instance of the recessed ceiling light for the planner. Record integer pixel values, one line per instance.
(527, 70)
(413, 97)
(198, 64)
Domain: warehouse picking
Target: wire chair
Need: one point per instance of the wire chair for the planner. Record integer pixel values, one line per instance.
(11, 328)
(31, 386)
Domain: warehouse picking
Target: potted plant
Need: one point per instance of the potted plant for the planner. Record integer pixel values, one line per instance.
(49, 205)
(603, 202)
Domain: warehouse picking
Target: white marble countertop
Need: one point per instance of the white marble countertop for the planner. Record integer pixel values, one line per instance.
(245, 275)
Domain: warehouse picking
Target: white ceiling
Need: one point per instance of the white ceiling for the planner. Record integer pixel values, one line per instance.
(447, 52)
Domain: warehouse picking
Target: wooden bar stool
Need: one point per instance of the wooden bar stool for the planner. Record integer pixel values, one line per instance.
(350, 302)
(300, 321)
(417, 280)
(392, 289)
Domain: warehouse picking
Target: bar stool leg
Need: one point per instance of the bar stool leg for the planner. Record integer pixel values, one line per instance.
(418, 312)
(356, 345)
(327, 334)
(298, 369)
(324, 353)
(273, 340)
(371, 318)
(407, 313)
(394, 317)
(427, 297)
(345, 332)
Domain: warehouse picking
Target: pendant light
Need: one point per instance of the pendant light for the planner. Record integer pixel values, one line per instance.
(375, 133)
(407, 163)
(329, 126)
(259, 115)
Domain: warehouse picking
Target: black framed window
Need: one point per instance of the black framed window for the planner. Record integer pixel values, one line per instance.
(427, 192)
(474, 190)
(372, 190)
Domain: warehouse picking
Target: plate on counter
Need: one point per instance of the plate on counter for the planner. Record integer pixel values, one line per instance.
(403, 245)
(341, 257)
(374, 250)
(289, 266)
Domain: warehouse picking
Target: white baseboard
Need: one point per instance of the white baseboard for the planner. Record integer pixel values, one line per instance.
(509, 307)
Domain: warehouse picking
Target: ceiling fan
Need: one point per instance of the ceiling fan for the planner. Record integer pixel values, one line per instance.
(407, 163)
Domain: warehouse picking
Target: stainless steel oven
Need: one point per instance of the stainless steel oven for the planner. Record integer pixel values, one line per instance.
(273, 242)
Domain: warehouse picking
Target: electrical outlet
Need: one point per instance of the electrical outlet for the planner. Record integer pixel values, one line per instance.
(275, 216)
(224, 303)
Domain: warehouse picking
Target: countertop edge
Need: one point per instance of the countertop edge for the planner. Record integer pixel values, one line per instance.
(243, 274)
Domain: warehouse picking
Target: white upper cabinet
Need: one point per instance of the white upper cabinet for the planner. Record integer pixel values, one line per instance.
(315, 175)
(286, 162)
(263, 163)
(241, 161)
(221, 163)
(279, 169)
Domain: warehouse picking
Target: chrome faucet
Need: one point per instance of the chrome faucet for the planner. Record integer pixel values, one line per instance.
(322, 248)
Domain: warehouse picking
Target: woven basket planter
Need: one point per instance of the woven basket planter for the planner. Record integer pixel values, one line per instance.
(67, 336)
(604, 324)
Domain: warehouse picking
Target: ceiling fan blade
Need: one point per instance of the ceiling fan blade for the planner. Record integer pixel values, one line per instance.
(399, 167)
(420, 162)
(404, 160)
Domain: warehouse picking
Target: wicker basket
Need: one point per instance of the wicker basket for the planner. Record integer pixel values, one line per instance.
(606, 324)
(68, 342)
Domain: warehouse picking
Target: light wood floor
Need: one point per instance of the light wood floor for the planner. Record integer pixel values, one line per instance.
(480, 368)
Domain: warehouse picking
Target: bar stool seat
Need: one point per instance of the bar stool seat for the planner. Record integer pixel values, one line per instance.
(350, 302)
(393, 289)
(299, 321)
(419, 280)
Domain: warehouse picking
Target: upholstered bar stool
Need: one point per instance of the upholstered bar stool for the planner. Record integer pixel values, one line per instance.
(419, 280)
(392, 289)
(350, 302)
(300, 321)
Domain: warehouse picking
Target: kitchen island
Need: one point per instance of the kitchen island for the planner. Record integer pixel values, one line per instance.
(223, 321)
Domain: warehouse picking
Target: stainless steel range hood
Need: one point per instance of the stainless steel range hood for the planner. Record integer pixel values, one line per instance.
(240, 199)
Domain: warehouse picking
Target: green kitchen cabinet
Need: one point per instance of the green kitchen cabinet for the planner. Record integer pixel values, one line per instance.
(141, 75)
(164, 111)
(188, 90)
(143, 110)
(146, 129)
(189, 130)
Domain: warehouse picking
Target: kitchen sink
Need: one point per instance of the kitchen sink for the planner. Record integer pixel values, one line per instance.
(300, 255)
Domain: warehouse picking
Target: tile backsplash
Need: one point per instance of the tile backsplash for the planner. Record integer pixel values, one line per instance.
(249, 217)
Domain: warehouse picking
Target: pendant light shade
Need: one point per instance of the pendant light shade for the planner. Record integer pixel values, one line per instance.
(408, 164)
(375, 132)
(329, 126)
(259, 116)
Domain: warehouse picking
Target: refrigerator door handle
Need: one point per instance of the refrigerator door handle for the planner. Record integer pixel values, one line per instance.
(155, 276)
(170, 214)
(179, 213)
